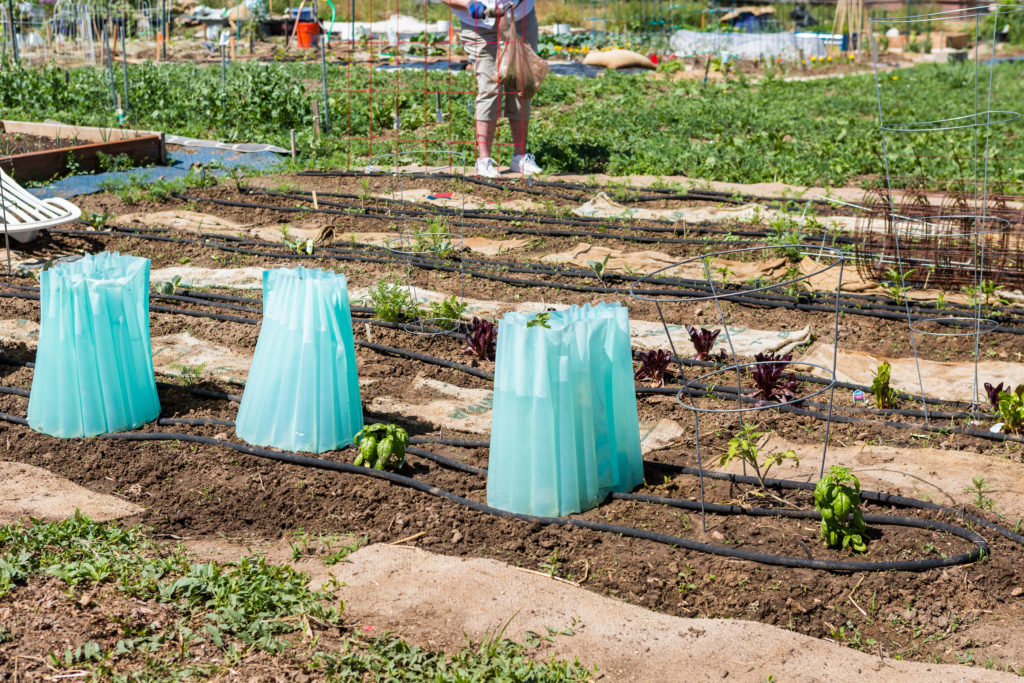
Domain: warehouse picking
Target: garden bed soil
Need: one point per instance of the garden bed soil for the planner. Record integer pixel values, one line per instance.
(21, 143)
(201, 491)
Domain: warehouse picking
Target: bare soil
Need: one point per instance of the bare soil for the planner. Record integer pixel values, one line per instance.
(21, 143)
(200, 491)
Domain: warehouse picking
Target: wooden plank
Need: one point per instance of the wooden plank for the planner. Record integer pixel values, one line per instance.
(81, 134)
(54, 162)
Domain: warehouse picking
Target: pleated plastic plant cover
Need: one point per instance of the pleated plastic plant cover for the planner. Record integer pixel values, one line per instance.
(302, 393)
(564, 430)
(94, 364)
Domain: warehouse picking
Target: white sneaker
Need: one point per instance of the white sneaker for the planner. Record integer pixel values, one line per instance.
(525, 164)
(487, 168)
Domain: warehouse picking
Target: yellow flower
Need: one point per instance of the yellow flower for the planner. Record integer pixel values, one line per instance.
(851, 55)
(895, 78)
(558, 48)
(814, 59)
(829, 58)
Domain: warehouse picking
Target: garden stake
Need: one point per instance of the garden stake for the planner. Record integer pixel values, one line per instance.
(323, 79)
(124, 60)
(110, 66)
(164, 34)
(14, 32)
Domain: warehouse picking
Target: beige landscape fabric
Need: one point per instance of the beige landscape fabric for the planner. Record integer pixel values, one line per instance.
(603, 206)
(929, 473)
(439, 601)
(179, 219)
(645, 262)
(617, 59)
(28, 491)
(192, 221)
(951, 381)
(458, 200)
(194, 276)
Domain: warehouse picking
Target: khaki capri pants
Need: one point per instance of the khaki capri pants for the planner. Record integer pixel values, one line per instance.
(482, 45)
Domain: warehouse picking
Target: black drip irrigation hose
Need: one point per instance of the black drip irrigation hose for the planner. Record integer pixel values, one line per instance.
(696, 288)
(750, 300)
(879, 305)
(853, 302)
(659, 192)
(418, 209)
(504, 229)
(696, 390)
(980, 550)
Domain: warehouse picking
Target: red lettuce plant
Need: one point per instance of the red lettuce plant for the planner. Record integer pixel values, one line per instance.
(993, 393)
(481, 339)
(773, 384)
(703, 341)
(653, 365)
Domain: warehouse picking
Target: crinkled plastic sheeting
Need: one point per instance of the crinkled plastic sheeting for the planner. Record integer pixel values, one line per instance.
(746, 45)
(564, 430)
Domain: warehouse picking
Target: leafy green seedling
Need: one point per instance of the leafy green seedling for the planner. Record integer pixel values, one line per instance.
(885, 395)
(169, 287)
(391, 301)
(743, 446)
(599, 266)
(1011, 409)
(446, 314)
(979, 488)
(540, 320)
(382, 447)
(837, 498)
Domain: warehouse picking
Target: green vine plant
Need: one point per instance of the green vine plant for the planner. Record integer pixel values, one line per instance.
(895, 286)
(391, 301)
(837, 498)
(445, 314)
(298, 245)
(885, 395)
(743, 446)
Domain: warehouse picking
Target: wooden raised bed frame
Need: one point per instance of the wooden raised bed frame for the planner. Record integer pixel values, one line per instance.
(144, 147)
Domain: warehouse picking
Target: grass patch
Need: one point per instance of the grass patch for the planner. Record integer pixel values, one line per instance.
(221, 616)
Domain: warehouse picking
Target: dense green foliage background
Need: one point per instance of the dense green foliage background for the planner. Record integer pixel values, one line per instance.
(808, 132)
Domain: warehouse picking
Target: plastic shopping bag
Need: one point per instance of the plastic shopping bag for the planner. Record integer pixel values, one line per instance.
(519, 69)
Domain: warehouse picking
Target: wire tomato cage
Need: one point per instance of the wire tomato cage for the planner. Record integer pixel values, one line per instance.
(963, 122)
(819, 266)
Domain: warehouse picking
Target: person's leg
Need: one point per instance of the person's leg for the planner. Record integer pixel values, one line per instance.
(517, 109)
(485, 131)
(482, 46)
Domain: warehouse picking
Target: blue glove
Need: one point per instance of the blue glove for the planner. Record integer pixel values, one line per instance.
(477, 9)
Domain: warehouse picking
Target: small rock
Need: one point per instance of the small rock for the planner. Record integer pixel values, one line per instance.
(1017, 592)
(221, 436)
(717, 535)
(456, 536)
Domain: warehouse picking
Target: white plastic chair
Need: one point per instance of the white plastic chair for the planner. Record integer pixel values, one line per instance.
(24, 214)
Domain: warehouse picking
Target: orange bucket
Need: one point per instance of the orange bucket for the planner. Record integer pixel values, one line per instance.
(307, 33)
